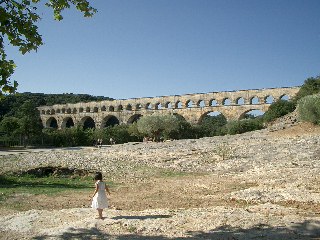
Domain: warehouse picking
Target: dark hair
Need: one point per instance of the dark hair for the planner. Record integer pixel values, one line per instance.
(98, 176)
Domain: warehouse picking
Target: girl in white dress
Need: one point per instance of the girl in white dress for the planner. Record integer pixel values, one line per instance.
(99, 197)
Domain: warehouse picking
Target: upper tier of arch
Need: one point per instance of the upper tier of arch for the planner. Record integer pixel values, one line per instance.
(187, 105)
(260, 96)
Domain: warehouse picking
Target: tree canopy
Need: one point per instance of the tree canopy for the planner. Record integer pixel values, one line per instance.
(18, 27)
(279, 109)
(11, 104)
(212, 125)
(154, 125)
(311, 86)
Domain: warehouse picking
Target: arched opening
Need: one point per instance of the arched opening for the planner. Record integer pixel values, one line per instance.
(67, 123)
(120, 108)
(81, 109)
(178, 104)
(211, 123)
(189, 104)
(211, 114)
(254, 100)
(134, 118)
(252, 114)
(53, 111)
(95, 109)
(138, 106)
(129, 107)
(109, 121)
(69, 110)
(103, 109)
(88, 122)
(111, 108)
(284, 97)
(269, 99)
(43, 112)
(48, 112)
(168, 105)
(213, 103)
(52, 123)
(158, 106)
(63, 110)
(74, 110)
(58, 110)
(226, 102)
(87, 109)
(240, 101)
(201, 103)
(148, 106)
(180, 117)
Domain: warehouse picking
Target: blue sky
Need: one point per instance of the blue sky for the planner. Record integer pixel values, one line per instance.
(147, 48)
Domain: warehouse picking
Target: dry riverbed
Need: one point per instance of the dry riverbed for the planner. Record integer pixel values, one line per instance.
(267, 187)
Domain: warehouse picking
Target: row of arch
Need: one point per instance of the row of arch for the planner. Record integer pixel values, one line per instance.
(88, 122)
(110, 120)
(168, 105)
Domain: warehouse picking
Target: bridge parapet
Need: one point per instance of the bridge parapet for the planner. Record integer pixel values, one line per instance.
(190, 106)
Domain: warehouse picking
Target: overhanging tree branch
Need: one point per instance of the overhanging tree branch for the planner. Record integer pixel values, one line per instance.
(18, 21)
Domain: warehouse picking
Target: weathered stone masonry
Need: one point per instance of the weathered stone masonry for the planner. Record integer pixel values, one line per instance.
(193, 107)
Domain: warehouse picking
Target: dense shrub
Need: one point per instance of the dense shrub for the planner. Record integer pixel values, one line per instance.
(242, 126)
(279, 109)
(311, 86)
(77, 136)
(185, 130)
(309, 108)
(120, 134)
(212, 125)
(68, 137)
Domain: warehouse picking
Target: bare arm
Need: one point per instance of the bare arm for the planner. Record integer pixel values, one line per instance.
(107, 189)
(95, 191)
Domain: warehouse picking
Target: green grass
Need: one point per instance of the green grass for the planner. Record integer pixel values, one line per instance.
(29, 184)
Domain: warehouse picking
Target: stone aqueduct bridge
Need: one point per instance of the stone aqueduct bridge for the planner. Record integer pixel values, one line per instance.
(193, 107)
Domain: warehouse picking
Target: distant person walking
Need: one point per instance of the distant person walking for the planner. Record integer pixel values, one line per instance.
(99, 197)
(99, 144)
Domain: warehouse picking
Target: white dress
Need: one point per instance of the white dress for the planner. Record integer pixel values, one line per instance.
(100, 199)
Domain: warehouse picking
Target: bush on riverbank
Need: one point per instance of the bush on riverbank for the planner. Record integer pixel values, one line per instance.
(309, 109)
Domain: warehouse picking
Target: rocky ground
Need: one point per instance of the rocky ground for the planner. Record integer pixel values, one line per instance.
(259, 185)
